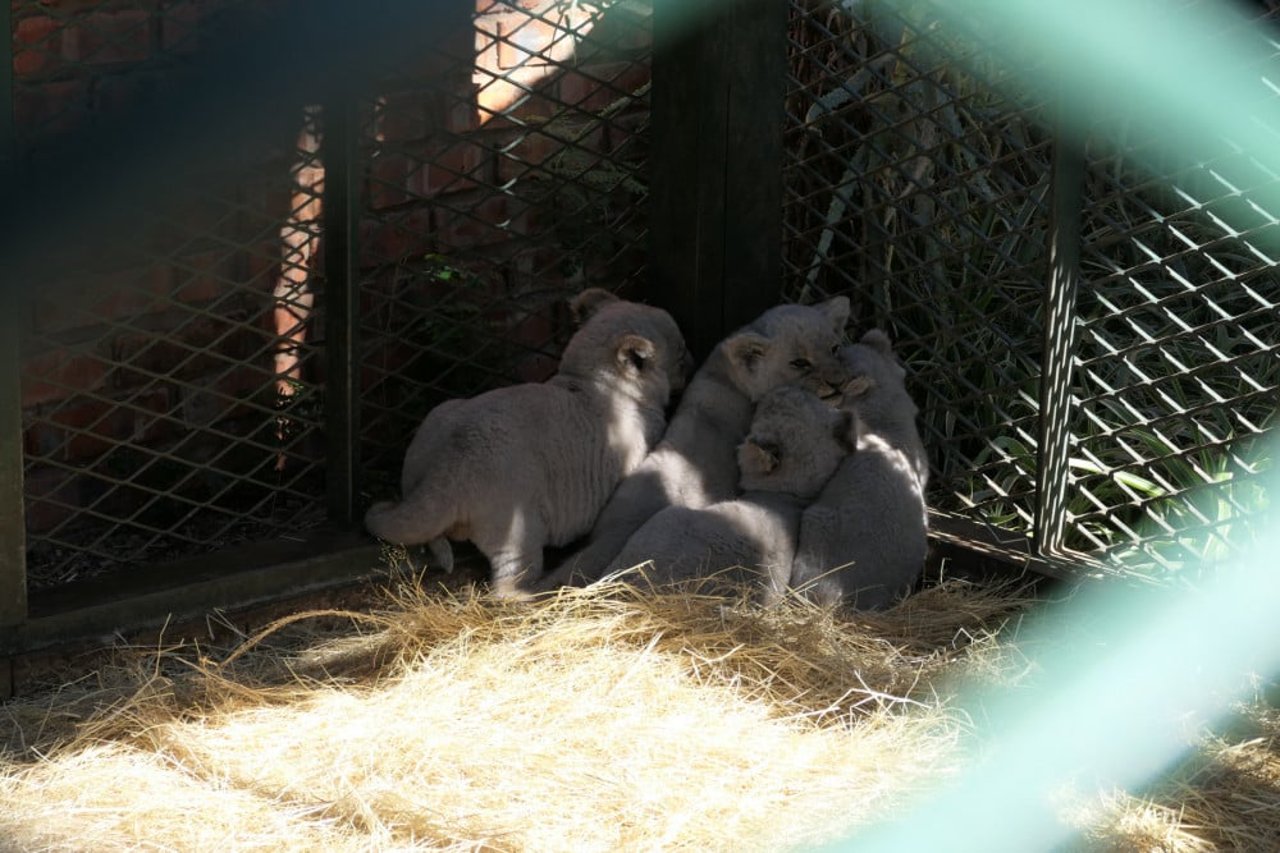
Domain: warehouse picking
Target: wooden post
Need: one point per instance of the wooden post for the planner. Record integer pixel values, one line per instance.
(13, 536)
(719, 84)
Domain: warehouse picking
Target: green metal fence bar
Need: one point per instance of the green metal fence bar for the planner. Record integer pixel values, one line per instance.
(342, 306)
(1061, 288)
(13, 567)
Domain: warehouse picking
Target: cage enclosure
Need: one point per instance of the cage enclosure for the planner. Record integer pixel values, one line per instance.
(214, 380)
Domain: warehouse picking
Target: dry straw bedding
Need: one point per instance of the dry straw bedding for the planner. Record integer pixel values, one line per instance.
(601, 719)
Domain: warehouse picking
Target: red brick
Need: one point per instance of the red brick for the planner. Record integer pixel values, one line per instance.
(388, 179)
(516, 157)
(37, 45)
(539, 264)
(598, 86)
(409, 232)
(50, 107)
(475, 225)
(53, 495)
(205, 344)
(534, 331)
(525, 42)
(180, 25)
(200, 278)
(117, 92)
(453, 169)
(403, 116)
(104, 38)
(92, 427)
(57, 374)
(460, 114)
(40, 439)
(105, 297)
(247, 380)
(517, 112)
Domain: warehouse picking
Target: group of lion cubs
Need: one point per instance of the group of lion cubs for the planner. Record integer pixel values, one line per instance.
(791, 460)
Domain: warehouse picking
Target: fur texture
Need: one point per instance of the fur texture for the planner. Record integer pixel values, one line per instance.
(794, 445)
(518, 468)
(694, 465)
(864, 539)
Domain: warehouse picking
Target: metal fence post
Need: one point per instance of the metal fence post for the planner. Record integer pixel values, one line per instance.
(13, 568)
(342, 305)
(1061, 288)
(718, 101)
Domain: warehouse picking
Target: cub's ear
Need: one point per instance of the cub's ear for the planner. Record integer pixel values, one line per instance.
(634, 352)
(757, 458)
(583, 306)
(879, 341)
(846, 430)
(745, 350)
(837, 311)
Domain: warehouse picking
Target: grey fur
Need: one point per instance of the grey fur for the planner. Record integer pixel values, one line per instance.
(517, 468)
(794, 445)
(864, 539)
(694, 464)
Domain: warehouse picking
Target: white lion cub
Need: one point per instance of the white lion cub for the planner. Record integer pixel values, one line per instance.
(517, 468)
(864, 539)
(694, 463)
(794, 445)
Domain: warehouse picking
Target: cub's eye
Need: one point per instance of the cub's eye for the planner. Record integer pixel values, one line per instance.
(801, 364)
(835, 349)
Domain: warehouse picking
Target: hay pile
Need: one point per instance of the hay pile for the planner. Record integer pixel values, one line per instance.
(600, 719)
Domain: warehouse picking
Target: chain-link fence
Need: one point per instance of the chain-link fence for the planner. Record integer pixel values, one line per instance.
(915, 184)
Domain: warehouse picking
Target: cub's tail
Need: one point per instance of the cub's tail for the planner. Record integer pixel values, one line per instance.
(406, 524)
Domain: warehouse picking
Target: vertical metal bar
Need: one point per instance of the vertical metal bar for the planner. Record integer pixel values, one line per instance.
(719, 85)
(1053, 464)
(13, 570)
(339, 148)
(13, 535)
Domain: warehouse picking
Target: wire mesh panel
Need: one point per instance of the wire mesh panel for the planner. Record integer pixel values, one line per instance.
(170, 406)
(175, 401)
(504, 175)
(917, 187)
(1178, 365)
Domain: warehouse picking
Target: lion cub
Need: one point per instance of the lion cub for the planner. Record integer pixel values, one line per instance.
(517, 468)
(864, 539)
(794, 445)
(694, 464)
